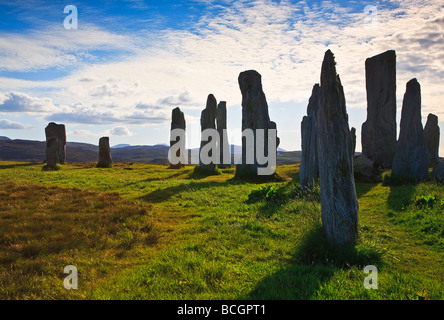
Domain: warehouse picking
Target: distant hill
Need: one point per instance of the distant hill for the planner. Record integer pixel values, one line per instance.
(118, 146)
(34, 151)
(4, 138)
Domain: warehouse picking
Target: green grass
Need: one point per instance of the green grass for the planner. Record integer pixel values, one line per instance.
(144, 231)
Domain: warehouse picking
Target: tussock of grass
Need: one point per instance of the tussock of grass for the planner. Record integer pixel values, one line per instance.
(202, 172)
(50, 168)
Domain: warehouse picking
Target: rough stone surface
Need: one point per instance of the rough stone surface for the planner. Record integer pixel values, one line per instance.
(221, 124)
(308, 144)
(353, 135)
(58, 132)
(105, 159)
(309, 168)
(254, 116)
(178, 122)
(365, 169)
(438, 172)
(339, 204)
(432, 134)
(52, 148)
(411, 157)
(208, 121)
(378, 135)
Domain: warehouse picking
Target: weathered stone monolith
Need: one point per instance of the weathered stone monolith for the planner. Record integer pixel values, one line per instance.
(105, 159)
(438, 172)
(221, 124)
(353, 135)
(339, 204)
(378, 135)
(52, 148)
(255, 117)
(411, 158)
(208, 121)
(309, 168)
(432, 135)
(57, 131)
(178, 141)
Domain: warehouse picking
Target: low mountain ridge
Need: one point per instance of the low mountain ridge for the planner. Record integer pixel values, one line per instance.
(34, 151)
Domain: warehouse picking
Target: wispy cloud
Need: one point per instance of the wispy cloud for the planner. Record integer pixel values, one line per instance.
(144, 74)
(55, 47)
(11, 125)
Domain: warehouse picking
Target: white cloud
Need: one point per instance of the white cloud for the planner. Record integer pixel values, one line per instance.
(283, 41)
(55, 47)
(120, 131)
(6, 124)
(21, 102)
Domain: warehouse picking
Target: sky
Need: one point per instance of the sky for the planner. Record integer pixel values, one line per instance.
(129, 63)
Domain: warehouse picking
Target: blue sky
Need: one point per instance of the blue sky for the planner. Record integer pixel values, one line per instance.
(130, 63)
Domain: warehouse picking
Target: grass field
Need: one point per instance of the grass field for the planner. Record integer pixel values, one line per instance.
(140, 231)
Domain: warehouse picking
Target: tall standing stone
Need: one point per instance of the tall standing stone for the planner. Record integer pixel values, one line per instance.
(105, 159)
(353, 135)
(411, 157)
(221, 124)
(339, 204)
(208, 121)
(58, 132)
(52, 147)
(309, 168)
(379, 131)
(178, 122)
(432, 135)
(254, 116)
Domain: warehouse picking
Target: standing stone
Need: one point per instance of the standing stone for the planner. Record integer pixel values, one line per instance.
(432, 134)
(57, 131)
(178, 122)
(438, 172)
(379, 131)
(339, 204)
(353, 135)
(52, 148)
(208, 121)
(221, 124)
(254, 116)
(312, 111)
(105, 160)
(309, 168)
(411, 157)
